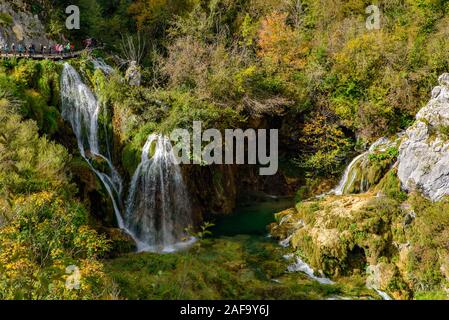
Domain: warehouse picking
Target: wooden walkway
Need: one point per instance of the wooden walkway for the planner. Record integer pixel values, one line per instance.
(40, 56)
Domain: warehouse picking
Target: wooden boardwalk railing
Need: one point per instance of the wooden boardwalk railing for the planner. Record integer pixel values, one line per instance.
(44, 56)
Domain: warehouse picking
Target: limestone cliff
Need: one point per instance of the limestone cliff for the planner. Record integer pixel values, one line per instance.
(19, 25)
(424, 152)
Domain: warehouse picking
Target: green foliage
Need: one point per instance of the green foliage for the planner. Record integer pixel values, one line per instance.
(431, 295)
(324, 146)
(36, 85)
(5, 19)
(390, 185)
(428, 257)
(203, 232)
(390, 154)
(444, 130)
(43, 230)
(47, 234)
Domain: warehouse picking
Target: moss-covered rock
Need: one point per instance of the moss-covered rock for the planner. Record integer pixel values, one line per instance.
(121, 242)
(398, 243)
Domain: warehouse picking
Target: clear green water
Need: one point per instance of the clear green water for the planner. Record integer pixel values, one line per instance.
(239, 261)
(251, 219)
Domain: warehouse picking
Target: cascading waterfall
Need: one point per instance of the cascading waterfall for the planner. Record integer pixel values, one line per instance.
(300, 266)
(81, 109)
(355, 178)
(103, 66)
(158, 208)
(350, 175)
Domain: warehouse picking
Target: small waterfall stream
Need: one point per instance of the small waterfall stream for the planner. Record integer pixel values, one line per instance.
(103, 66)
(300, 266)
(355, 178)
(81, 109)
(350, 174)
(158, 208)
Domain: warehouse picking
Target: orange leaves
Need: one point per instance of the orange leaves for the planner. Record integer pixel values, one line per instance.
(279, 44)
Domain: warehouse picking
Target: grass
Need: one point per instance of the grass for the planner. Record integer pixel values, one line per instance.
(431, 295)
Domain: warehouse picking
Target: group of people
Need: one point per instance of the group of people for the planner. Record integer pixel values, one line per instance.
(31, 49)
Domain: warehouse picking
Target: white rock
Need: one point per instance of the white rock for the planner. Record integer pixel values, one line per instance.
(424, 152)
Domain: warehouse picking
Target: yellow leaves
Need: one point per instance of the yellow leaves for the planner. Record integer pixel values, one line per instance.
(47, 235)
(56, 253)
(15, 259)
(364, 54)
(324, 144)
(20, 73)
(146, 10)
(242, 76)
(37, 200)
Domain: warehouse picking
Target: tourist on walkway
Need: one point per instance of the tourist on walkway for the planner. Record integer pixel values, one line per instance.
(20, 49)
(33, 49)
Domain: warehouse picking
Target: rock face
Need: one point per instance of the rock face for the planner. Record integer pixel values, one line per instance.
(424, 151)
(133, 75)
(19, 26)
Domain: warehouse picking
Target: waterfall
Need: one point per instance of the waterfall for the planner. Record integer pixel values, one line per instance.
(81, 109)
(103, 66)
(350, 175)
(355, 178)
(383, 294)
(300, 266)
(158, 208)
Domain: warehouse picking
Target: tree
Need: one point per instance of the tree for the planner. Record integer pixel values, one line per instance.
(43, 228)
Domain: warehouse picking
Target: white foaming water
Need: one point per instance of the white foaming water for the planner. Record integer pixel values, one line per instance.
(286, 242)
(301, 266)
(360, 162)
(103, 66)
(349, 175)
(384, 295)
(158, 207)
(81, 109)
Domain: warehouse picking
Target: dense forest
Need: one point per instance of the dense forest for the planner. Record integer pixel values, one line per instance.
(309, 68)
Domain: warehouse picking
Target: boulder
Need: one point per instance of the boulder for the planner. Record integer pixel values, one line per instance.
(423, 162)
(121, 242)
